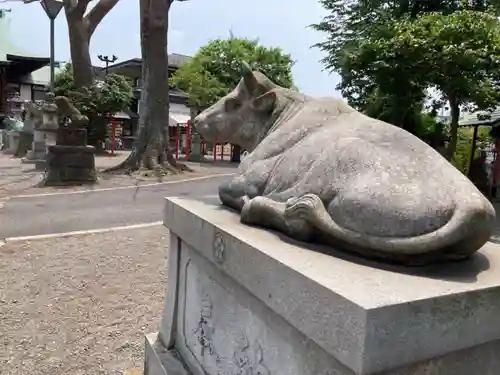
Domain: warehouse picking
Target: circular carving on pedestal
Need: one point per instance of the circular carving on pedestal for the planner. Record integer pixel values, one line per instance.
(219, 248)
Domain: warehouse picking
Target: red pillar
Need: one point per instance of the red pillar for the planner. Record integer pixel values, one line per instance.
(177, 136)
(188, 139)
(202, 145)
(215, 152)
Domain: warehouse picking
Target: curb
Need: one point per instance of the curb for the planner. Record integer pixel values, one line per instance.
(98, 190)
(78, 232)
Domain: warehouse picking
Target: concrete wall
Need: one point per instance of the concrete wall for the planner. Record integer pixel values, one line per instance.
(25, 91)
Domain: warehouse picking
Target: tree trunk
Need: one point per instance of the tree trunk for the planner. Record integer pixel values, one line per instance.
(151, 146)
(83, 72)
(81, 27)
(455, 114)
(235, 154)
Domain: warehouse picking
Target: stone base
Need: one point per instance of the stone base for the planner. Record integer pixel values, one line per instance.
(24, 144)
(40, 164)
(195, 157)
(70, 165)
(12, 142)
(242, 300)
(159, 361)
(38, 150)
(3, 139)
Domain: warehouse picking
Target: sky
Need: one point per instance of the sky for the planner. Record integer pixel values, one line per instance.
(278, 23)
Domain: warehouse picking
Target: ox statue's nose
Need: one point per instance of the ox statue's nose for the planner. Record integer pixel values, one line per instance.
(201, 125)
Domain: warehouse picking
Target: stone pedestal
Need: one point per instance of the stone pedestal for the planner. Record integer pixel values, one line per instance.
(38, 148)
(38, 151)
(24, 144)
(242, 300)
(3, 139)
(70, 161)
(70, 165)
(12, 143)
(195, 153)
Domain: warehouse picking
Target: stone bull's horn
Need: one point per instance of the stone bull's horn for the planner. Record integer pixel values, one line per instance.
(248, 76)
(246, 70)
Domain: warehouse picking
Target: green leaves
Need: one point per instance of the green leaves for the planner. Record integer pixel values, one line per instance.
(458, 53)
(390, 54)
(104, 97)
(216, 69)
(393, 45)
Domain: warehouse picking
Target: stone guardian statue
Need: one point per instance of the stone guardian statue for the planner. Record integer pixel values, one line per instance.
(320, 171)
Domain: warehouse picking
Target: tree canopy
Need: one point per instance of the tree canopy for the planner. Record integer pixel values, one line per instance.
(215, 69)
(390, 56)
(106, 96)
(103, 98)
(457, 54)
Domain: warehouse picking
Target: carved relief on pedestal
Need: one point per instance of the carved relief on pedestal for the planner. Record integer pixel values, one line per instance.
(249, 359)
(218, 333)
(219, 248)
(205, 329)
(222, 329)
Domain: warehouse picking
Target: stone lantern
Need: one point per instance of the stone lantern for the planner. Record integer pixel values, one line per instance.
(50, 118)
(14, 122)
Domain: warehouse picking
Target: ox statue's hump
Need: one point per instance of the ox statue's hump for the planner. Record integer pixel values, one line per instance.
(318, 170)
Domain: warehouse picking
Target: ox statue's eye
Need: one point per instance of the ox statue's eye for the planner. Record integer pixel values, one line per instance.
(232, 104)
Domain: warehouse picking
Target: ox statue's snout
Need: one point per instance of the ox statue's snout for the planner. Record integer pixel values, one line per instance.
(201, 125)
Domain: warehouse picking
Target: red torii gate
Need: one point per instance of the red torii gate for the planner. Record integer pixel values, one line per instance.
(178, 135)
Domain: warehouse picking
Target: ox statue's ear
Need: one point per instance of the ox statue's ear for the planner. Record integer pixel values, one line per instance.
(265, 102)
(248, 77)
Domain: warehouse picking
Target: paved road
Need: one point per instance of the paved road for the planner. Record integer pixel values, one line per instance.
(92, 210)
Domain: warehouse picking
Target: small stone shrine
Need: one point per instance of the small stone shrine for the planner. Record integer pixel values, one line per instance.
(70, 161)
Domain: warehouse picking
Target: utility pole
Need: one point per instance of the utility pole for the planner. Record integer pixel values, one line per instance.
(52, 9)
(107, 60)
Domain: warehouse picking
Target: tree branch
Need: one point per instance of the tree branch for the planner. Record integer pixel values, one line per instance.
(75, 8)
(97, 13)
(81, 6)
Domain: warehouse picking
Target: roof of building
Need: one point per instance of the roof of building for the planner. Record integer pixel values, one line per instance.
(131, 67)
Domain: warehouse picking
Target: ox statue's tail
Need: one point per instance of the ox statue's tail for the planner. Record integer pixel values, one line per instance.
(468, 229)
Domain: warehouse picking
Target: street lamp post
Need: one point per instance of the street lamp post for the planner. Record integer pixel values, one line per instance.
(52, 9)
(107, 60)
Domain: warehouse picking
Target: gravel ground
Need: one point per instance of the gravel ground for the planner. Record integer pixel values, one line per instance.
(80, 305)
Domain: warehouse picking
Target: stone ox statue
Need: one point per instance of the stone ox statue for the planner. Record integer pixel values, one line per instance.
(320, 171)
